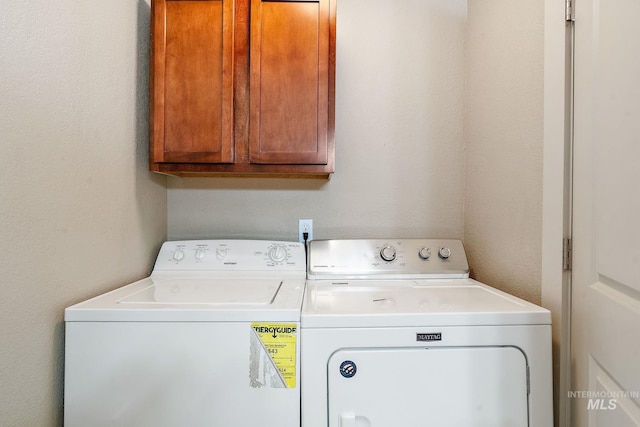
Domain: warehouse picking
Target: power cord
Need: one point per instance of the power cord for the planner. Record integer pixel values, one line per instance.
(305, 237)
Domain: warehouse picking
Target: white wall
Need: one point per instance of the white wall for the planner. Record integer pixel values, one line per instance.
(438, 133)
(416, 87)
(503, 144)
(79, 213)
(399, 139)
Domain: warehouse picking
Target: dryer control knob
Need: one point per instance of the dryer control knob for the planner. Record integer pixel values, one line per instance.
(200, 254)
(444, 252)
(178, 255)
(424, 253)
(388, 253)
(278, 253)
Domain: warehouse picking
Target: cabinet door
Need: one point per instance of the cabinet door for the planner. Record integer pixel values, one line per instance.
(192, 81)
(289, 82)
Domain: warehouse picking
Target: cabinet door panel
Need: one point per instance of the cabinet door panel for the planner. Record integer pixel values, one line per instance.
(289, 82)
(192, 106)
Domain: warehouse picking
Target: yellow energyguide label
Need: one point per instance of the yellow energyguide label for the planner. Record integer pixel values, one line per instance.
(279, 340)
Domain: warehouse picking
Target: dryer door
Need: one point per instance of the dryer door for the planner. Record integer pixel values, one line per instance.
(445, 387)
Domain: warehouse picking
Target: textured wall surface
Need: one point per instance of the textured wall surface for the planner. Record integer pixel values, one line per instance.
(503, 144)
(79, 213)
(399, 139)
(438, 133)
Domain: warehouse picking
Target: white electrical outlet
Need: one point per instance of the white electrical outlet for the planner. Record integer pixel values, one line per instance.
(305, 226)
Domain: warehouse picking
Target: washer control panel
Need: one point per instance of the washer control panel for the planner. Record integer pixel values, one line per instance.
(392, 258)
(231, 255)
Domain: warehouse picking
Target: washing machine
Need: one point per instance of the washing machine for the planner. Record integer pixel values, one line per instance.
(395, 333)
(210, 338)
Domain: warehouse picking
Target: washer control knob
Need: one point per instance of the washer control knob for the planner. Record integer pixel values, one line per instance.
(278, 253)
(200, 254)
(221, 253)
(424, 253)
(178, 254)
(444, 252)
(388, 253)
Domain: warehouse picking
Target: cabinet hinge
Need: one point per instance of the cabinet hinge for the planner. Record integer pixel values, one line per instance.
(569, 7)
(567, 254)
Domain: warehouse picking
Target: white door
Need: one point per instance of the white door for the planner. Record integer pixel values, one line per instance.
(416, 387)
(606, 271)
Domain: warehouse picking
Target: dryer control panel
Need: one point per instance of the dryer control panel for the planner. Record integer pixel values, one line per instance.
(231, 256)
(387, 258)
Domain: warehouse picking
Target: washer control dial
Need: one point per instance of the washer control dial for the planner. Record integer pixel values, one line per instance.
(178, 254)
(278, 253)
(201, 253)
(221, 253)
(388, 253)
(424, 253)
(444, 252)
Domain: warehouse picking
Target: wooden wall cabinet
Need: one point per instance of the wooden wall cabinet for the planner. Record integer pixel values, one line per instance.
(244, 87)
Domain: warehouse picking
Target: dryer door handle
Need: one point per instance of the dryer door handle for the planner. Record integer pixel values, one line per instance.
(347, 419)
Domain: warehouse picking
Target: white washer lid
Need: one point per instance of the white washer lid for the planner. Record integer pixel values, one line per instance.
(206, 290)
(454, 302)
(196, 298)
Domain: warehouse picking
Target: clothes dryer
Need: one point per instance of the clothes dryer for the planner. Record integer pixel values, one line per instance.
(394, 333)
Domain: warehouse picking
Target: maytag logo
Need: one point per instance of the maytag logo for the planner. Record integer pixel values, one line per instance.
(436, 336)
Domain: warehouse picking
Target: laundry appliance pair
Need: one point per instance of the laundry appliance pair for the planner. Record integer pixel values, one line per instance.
(355, 333)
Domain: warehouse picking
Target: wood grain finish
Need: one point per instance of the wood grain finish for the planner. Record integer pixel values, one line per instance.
(193, 81)
(289, 82)
(281, 114)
